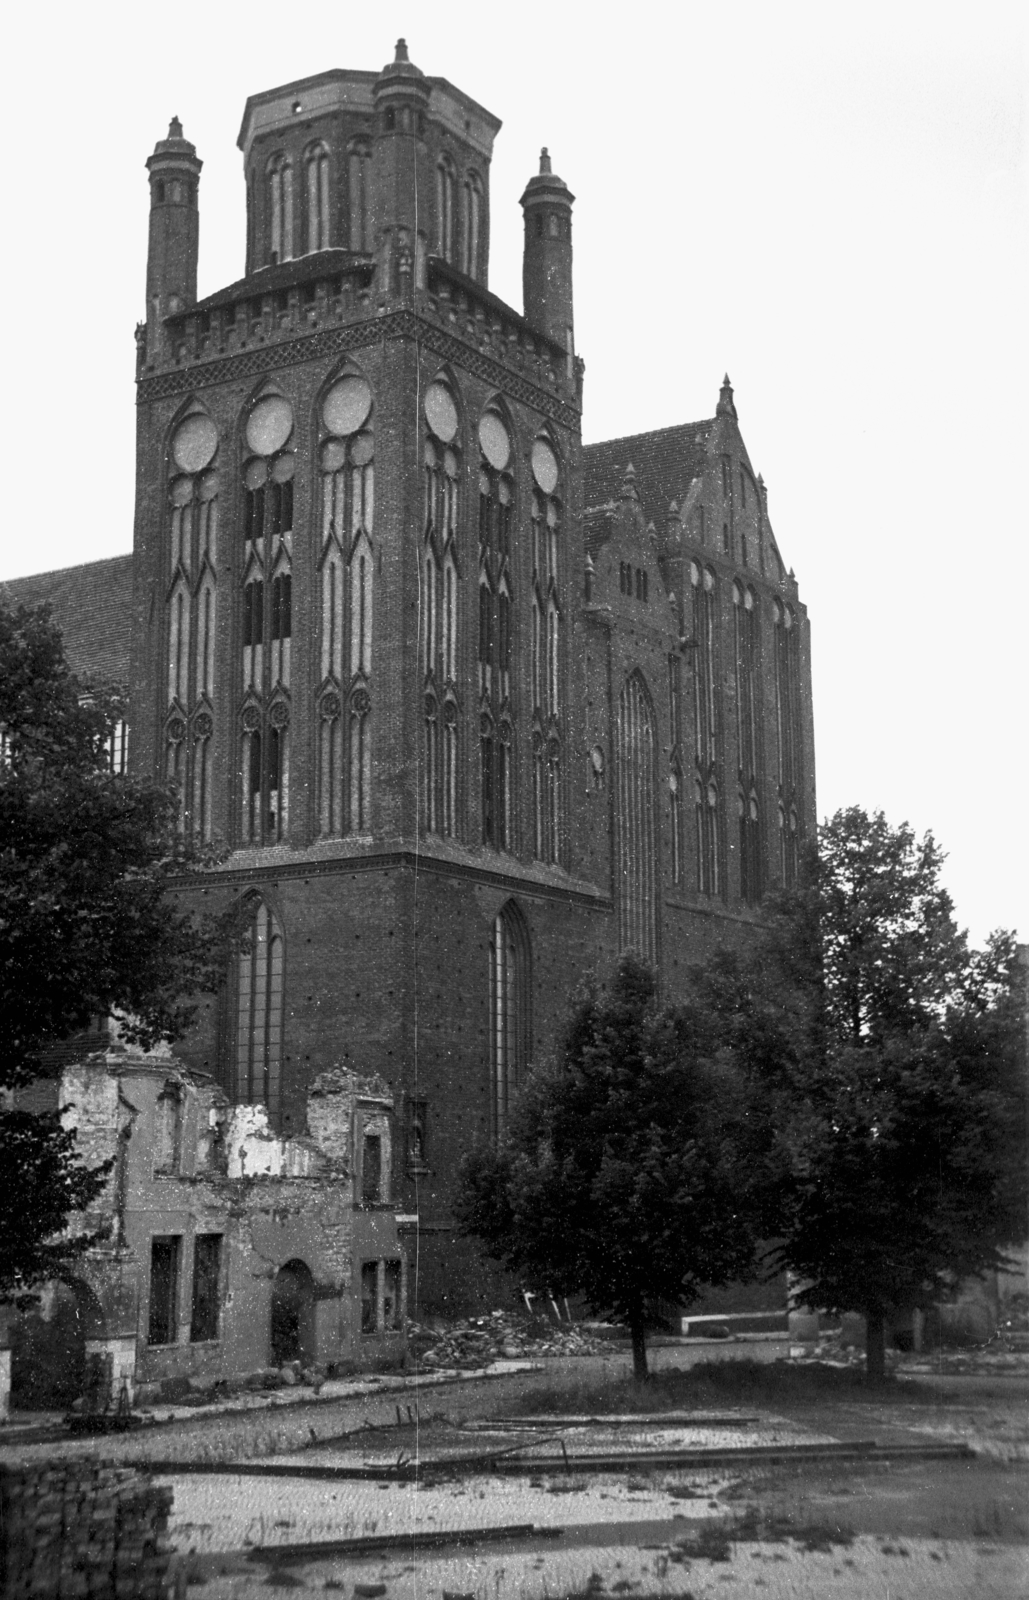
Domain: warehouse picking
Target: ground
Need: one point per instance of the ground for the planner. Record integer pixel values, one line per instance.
(429, 1489)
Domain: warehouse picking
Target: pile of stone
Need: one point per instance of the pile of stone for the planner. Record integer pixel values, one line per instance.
(500, 1336)
(83, 1530)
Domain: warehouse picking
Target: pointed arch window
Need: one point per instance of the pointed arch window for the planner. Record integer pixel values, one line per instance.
(190, 609)
(279, 183)
(675, 770)
(316, 197)
(359, 155)
(546, 652)
(707, 794)
(257, 1044)
(496, 715)
(751, 840)
(445, 196)
(787, 714)
(471, 230)
(347, 583)
(510, 988)
(637, 848)
(440, 618)
(266, 619)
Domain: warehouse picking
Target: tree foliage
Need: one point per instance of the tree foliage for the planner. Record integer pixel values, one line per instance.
(87, 927)
(628, 1173)
(896, 1058)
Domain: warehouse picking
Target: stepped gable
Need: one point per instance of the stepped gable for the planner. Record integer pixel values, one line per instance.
(92, 606)
(665, 460)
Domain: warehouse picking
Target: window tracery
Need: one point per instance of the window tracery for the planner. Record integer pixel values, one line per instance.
(279, 182)
(710, 870)
(637, 841)
(546, 653)
(346, 580)
(510, 956)
(316, 186)
(190, 608)
(257, 1045)
(440, 571)
(266, 632)
(745, 626)
(496, 714)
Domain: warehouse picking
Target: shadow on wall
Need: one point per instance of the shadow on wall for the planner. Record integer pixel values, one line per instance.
(48, 1347)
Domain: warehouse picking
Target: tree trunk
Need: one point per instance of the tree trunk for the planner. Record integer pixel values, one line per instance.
(875, 1346)
(639, 1351)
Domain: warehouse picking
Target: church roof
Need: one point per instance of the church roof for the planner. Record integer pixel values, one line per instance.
(666, 462)
(92, 606)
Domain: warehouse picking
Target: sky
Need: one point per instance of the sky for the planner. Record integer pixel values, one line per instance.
(830, 202)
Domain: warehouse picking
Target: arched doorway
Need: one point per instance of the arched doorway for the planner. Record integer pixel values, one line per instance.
(292, 1329)
(48, 1347)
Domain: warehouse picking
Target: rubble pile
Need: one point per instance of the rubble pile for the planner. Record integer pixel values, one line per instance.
(500, 1336)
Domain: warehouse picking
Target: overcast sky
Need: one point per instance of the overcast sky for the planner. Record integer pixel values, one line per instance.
(828, 201)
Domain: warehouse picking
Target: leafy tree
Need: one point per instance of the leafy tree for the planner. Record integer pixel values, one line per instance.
(895, 1057)
(86, 924)
(630, 1170)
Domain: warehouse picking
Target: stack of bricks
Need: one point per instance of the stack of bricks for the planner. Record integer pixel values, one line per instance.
(83, 1530)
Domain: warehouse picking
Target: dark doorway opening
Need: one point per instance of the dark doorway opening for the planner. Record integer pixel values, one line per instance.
(292, 1334)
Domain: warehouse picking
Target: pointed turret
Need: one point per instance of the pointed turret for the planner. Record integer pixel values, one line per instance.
(726, 406)
(171, 271)
(547, 259)
(400, 172)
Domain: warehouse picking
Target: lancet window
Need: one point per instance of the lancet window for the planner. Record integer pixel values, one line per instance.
(637, 841)
(359, 158)
(256, 1075)
(346, 578)
(279, 185)
(191, 601)
(440, 572)
(445, 196)
(675, 769)
(471, 230)
(745, 628)
(546, 653)
(267, 626)
(316, 197)
(496, 714)
(510, 989)
(707, 807)
(787, 715)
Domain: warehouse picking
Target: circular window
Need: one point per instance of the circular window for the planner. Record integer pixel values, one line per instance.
(334, 455)
(441, 412)
(346, 405)
(544, 466)
(269, 425)
(194, 443)
(362, 450)
(495, 441)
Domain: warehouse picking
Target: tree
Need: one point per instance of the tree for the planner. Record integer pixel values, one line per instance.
(896, 1060)
(630, 1171)
(86, 924)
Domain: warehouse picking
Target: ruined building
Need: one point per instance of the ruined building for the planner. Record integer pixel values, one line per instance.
(475, 706)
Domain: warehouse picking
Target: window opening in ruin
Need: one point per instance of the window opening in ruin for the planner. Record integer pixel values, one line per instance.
(369, 1296)
(292, 1315)
(207, 1254)
(371, 1170)
(391, 1299)
(417, 1120)
(165, 1255)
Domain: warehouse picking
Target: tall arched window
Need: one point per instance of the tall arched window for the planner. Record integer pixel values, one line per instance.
(710, 874)
(279, 181)
(745, 629)
(496, 510)
(787, 712)
(510, 988)
(676, 793)
(546, 653)
(267, 619)
(440, 572)
(637, 840)
(316, 197)
(471, 225)
(347, 575)
(190, 609)
(359, 157)
(445, 185)
(257, 1067)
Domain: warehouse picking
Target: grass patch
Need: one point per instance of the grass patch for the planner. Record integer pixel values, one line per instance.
(710, 1385)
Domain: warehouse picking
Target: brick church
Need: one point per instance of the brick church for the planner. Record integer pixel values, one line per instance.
(474, 706)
